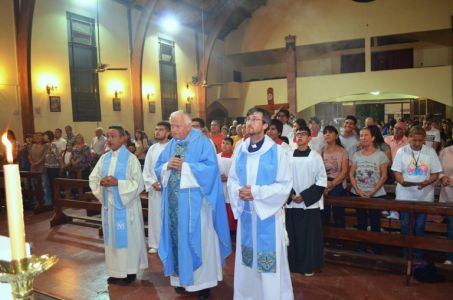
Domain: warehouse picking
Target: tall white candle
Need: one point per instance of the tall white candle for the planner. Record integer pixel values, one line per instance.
(14, 204)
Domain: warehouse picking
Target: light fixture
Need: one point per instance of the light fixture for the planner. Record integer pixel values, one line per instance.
(375, 93)
(149, 92)
(115, 87)
(50, 88)
(117, 92)
(188, 94)
(169, 23)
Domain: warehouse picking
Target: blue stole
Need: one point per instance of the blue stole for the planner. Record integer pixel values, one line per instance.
(174, 183)
(201, 157)
(265, 229)
(120, 211)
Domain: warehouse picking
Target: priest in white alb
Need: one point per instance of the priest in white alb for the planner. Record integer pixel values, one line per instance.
(259, 184)
(195, 239)
(153, 186)
(117, 181)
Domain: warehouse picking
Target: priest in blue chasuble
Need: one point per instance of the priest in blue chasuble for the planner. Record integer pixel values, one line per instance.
(195, 238)
(259, 184)
(117, 182)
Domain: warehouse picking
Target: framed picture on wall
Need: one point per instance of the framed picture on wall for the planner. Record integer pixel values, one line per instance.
(152, 107)
(55, 103)
(116, 104)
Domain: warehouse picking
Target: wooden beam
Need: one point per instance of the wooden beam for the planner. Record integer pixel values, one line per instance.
(291, 72)
(24, 20)
(137, 63)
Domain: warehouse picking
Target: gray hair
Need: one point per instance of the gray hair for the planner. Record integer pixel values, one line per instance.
(187, 118)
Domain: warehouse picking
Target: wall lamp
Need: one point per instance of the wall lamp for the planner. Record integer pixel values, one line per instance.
(50, 88)
(188, 94)
(149, 95)
(117, 93)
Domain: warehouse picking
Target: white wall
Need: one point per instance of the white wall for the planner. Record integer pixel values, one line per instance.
(184, 40)
(9, 83)
(317, 21)
(321, 21)
(433, 83)
(50, 61)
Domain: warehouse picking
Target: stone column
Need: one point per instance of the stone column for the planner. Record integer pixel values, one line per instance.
(291, 72)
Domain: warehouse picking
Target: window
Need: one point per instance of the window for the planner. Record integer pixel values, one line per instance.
(168, 83)
(392, 59)
(82, 65)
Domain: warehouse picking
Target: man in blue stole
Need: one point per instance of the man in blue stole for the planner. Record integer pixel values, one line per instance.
(259, 184)
(195, 239)
(116, 181)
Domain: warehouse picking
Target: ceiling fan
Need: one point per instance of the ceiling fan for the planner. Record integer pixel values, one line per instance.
(196, 80)
(101, 67)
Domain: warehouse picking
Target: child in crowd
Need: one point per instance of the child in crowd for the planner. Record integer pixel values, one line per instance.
(303, 216)
(66, 169)
(225, 160)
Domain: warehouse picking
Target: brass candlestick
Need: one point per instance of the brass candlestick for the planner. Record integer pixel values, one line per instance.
(21, 273)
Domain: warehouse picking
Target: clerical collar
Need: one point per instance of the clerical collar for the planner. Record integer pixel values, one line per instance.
(255, 147)
(304, 153)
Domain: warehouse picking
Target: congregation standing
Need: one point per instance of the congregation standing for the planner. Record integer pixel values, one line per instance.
(261, 182)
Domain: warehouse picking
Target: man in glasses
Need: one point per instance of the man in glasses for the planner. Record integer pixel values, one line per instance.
(259, 183)
(303, 216)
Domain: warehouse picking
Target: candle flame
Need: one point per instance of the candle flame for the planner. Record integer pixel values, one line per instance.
(9, 147)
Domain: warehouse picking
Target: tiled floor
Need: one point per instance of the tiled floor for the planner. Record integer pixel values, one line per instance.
(80, 273)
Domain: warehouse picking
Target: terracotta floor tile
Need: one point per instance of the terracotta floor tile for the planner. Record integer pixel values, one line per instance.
(80, 273)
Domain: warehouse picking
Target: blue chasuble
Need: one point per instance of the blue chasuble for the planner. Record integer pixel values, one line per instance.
(120, 211)
(180, 240)
(265, 229)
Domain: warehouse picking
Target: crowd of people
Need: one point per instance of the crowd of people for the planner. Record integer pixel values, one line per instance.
(57, 156)
(262, 181)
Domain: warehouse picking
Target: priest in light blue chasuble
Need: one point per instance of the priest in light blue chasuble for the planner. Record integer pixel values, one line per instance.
(116, 181)
(195, 238)
(259, 184)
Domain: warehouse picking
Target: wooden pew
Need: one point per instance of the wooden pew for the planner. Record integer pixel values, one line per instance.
(391, 239)
(28, 190)
(85, 201)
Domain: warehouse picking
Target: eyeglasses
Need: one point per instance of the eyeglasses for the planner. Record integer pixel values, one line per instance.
(302, 134)
(253, 120)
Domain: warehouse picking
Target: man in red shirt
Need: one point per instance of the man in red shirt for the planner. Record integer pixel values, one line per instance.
(216, 136)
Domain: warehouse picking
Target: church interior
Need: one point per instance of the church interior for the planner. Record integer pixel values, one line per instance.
(94, 63)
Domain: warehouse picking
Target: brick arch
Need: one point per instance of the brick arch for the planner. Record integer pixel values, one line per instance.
(216, 111)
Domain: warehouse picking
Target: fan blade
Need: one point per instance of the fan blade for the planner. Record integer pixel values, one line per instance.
(116, 69)
(214, 84)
